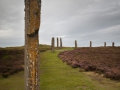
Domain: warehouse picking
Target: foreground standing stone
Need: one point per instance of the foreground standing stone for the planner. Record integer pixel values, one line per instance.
(32, 24)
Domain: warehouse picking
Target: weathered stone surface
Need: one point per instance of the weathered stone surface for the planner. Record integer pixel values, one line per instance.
(57, 43)
(113, 44)
(90, 43)
(60, 42)
(32, 24)
(52, 45)
(75, 44)
(104, 44)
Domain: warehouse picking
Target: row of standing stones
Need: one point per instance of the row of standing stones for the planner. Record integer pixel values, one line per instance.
(113, 44)
(53, 44)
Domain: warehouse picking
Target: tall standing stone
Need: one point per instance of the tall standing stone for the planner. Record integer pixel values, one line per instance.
(52, 45)
(104, 44)
(113, 44)
(90, 43)
(60, 42)
(57, 43)
(31, 59)
(75, 44)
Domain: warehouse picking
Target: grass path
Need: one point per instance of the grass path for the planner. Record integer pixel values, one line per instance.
(14, 82)
(56, 75)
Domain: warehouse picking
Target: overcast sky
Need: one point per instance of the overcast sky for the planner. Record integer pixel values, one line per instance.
(82, 20)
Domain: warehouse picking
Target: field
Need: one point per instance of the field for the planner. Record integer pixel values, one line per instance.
(56, 75)
(102, 60)
(12, 59)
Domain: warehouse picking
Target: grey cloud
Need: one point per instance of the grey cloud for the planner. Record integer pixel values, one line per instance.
(11, 22)
(81, 20)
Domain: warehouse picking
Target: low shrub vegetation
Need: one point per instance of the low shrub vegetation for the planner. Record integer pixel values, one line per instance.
(103, 60)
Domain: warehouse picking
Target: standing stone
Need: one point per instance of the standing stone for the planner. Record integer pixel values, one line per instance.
(60, 42)
(75, 44)
(104, 44)
(52, 45)
(57, 43)
(113, 44)
(90, 43)
(31, 59)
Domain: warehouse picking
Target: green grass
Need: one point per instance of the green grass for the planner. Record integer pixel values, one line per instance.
(56, 75)
(14, 82)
